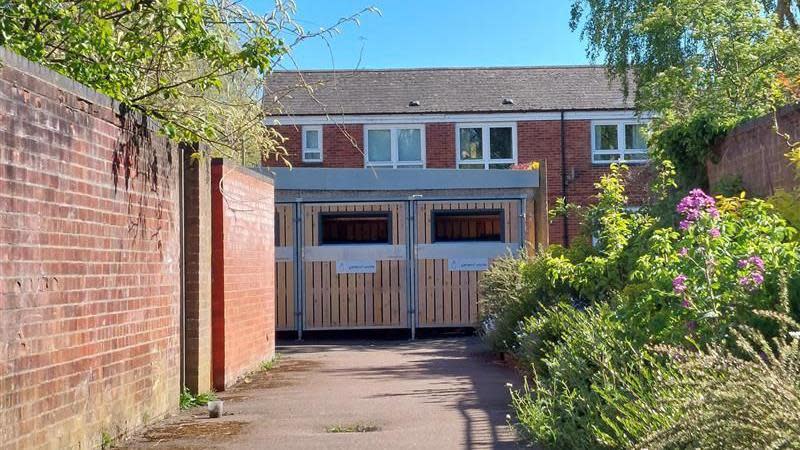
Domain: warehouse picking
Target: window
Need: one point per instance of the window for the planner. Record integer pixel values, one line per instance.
(486, 146)
(354, 228)
(312, 144)
(473, 225)
(397, 146)
(615, 141)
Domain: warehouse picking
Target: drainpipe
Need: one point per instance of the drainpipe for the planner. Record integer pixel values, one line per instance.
(564, 177)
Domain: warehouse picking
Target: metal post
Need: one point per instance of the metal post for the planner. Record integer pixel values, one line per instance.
(410, 272)
(298, 268)
(522, 216)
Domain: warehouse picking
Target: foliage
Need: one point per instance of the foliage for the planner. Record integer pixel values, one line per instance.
(733, 399)
(728, 186)
(271, 363)
(723, 261)
(563, 407)
(690, 284)
(189, 400)
(688, 145)
(701, 67)
(194, 65)
(514, 288)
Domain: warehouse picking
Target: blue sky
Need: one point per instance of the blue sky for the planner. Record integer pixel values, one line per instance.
(438, 33)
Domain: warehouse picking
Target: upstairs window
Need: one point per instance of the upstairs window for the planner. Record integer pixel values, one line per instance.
(312, 144)
(470, 226)
(486, 146)
(397, 146)
(618, 142)
(355, 228)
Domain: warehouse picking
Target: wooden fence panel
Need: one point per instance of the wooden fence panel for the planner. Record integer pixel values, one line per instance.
(336, 300)
(284, 267)
(448, 298)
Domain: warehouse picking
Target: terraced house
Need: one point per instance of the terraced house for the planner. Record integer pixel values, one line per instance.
(572, 119)
(404, 189)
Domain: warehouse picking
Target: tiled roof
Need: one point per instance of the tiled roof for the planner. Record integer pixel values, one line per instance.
(443, 90)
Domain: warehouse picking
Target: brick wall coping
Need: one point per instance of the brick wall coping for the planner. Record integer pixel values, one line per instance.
(765, 121)
(250, 171)
(345, 179)
(36, 70)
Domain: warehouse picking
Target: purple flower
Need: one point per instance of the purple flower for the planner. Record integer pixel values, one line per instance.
(679, 284)
(752, 281)
(691, 325)
(686, 303)
(693, 206)
(714, 233)
(755, 278)
(683, 251)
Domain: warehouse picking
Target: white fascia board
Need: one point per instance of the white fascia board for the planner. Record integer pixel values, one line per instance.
(408, 119)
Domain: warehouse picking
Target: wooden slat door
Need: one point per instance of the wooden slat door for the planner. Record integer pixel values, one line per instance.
(285, 267)
(450, 298)
(333, 300)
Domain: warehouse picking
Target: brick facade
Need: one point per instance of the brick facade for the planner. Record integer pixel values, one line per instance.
(89, 265)
(243, 271)
(536, 141)
(756, 153)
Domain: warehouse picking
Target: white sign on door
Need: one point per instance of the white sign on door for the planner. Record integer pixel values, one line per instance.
(355, 266)
(467, 264)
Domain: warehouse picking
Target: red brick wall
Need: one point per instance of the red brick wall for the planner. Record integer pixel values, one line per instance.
(341, 146)
(242, 270)
(440, 145)
(755, 152)
(536, 141)
(89, 265)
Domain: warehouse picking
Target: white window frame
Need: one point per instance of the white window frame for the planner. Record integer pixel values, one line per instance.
(485, 144)
(304, 150)
(394, 162)
(621, 151)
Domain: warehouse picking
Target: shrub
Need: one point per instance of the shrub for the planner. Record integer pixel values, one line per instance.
(562, 406)
(596, 382)
(741, 399)
(512, 289)
(722, 262)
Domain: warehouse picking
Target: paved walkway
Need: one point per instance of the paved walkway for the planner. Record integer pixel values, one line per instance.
(437, 394)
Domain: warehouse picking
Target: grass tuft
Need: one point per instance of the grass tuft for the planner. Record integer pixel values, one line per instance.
(189, 400)
(352, 428)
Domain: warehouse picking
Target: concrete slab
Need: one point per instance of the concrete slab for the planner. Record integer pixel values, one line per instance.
(437, 394)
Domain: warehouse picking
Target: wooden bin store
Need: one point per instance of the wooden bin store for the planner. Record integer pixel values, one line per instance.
(395, 248)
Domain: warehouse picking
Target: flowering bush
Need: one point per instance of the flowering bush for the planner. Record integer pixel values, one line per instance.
(596, 382)
(721, 263)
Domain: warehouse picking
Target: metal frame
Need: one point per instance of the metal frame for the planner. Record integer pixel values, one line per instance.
(410, 248)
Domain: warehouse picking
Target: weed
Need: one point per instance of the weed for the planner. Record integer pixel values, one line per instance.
(270, 363)
(106, 440)
(189, 400)
(352, 428)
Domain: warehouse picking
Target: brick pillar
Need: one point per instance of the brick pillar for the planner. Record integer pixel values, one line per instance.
(197, 284)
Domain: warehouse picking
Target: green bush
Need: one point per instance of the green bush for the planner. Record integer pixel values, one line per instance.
(515, 288)
(590, 324)
(563, 406)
